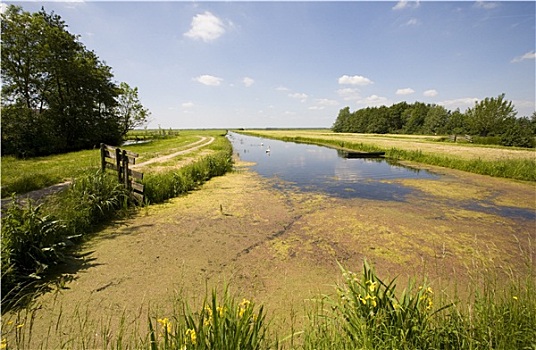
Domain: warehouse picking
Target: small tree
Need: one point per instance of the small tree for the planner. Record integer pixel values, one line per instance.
(131, 112)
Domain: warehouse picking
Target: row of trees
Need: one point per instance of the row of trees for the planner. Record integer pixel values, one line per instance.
(57, 96)
(489, 117)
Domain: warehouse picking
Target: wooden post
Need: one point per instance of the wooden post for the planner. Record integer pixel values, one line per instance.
(118, 163)
(103, 156)
(125, 168)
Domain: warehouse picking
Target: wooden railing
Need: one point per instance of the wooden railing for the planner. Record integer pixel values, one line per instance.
(121, 159)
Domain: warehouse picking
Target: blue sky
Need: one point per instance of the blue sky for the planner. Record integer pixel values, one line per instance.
(296, 64)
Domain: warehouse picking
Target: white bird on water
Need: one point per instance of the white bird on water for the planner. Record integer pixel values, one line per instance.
(268, 149)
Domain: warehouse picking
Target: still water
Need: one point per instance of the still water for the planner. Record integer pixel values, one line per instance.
(322, 169)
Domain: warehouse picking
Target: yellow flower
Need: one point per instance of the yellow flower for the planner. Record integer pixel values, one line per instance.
(193, 336)
(372, 285)
(166, 325)
(242, 307)
(209, 319)
(515, 298)
(3, 344)
(221, 310)
(20, 325)
(430, 303)
(371, 298)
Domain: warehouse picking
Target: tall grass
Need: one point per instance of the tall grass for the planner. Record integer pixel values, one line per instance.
(365, 312)
(34, 237)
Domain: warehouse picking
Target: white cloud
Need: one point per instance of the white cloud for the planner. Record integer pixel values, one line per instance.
(348, 94)
(430, 93)
(187, 104)
(206, 27)
(531, 55)
(412, 22)
(321, 103)
(209, 80)
(486, 5)
(248, 81)
(461, 103)
(374, 100)
(282, 88)
(403, 4)
(406, 91)
(299, 96)
(355, 80)
(3, 7)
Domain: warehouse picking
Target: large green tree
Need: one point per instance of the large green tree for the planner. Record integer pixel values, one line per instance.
(57, 96)
(489, 116)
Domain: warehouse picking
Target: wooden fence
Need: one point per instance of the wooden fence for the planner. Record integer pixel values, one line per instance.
(121, 159)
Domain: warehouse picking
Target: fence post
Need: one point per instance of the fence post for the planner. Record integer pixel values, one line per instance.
(118, 163)
(125, 168)
(103, 157)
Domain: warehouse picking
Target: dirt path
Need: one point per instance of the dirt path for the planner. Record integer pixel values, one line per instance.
(280, 248)
(39, 194)
(192, 147)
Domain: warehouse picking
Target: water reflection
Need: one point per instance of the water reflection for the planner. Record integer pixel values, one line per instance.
(316, 168)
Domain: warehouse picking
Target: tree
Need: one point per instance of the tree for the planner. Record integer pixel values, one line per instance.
(487, 117)
(518, 133)
(342, 122)
(129, 109)
(436, 120)
(57, 95)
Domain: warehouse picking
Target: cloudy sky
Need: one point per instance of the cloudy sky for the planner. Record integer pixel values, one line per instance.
(296, 64)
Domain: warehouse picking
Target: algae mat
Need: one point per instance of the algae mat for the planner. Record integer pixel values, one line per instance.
(280, 248)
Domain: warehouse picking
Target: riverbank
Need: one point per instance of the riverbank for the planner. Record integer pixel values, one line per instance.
(506, 162)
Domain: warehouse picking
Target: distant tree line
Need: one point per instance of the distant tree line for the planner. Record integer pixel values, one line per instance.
(492, 119)
(58, 96)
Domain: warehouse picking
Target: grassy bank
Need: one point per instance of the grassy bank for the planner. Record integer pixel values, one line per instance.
(23, 175)
(37, 237)
(519, 168)
(365, 312)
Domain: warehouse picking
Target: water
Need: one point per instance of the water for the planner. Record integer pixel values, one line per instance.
(322, 169)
